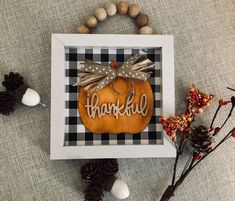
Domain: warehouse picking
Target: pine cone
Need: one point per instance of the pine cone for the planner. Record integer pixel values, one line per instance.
(7, 103)
(202, 139)
(94, 192)
(109, 167)
(91, 172)
(13, 81)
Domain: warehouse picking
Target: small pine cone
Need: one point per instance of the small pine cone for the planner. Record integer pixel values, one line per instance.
(12, 81)
(91, 172)
(202, 139)
(7, 103)
(94, 192)
(109, 167)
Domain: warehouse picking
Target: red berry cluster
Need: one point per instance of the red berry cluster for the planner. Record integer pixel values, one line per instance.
(223, 102)
(197, 101)
(170, 125)
(197, 156)
(174, 123)
(185, 122)
(182, 123)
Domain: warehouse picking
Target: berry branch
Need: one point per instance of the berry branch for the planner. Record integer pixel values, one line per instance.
(180, 129)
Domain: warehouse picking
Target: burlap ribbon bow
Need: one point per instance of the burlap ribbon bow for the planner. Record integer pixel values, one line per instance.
(95, 76)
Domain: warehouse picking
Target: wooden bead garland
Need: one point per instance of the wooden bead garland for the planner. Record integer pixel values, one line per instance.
(142, 20)
(111, 9)
(100, 14)
(91, 22)
(83, 29)
(122, 7)
(134, 10)
(146, 30)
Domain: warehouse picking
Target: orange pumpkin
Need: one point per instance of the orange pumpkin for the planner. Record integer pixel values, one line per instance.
(108, 122)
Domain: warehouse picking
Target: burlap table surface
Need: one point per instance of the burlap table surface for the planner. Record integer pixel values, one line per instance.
(204, 55)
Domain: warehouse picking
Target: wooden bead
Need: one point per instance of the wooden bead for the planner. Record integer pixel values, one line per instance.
(110, 9)
(134, 10)
(146, 30)
(100, 14)
(142, 20)
(83, 29)
(122, 7)
(91, 22)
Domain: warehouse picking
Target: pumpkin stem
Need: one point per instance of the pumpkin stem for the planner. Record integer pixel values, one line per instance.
(114, 64)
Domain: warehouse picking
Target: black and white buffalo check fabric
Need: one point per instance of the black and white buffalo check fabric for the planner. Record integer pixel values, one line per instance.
(75, 132)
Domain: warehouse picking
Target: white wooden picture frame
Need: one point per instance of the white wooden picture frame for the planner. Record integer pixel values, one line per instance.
(62, 41)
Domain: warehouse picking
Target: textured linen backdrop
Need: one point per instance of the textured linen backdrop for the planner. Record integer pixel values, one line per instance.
(204, 55)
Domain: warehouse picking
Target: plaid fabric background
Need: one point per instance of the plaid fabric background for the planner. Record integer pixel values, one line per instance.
(75, 132)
